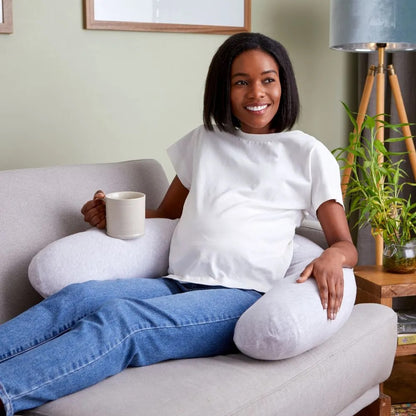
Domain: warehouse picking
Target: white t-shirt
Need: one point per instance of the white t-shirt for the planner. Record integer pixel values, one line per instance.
(247, 194)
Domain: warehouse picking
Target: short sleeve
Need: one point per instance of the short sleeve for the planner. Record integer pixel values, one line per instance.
(181, 155)
(326, 178)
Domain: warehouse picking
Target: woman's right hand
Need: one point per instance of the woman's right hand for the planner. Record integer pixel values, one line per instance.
(94, 210)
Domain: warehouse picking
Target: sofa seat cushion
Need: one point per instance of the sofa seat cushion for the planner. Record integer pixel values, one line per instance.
(323, 381)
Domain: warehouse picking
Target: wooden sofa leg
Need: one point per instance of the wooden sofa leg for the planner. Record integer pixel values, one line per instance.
(381, 407)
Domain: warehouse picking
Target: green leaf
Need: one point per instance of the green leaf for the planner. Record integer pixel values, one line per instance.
(374, 192)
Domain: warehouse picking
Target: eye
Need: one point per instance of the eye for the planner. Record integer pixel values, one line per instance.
(269, 80)
(241, 82)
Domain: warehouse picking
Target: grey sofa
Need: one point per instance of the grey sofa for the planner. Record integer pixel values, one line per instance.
(341, 377)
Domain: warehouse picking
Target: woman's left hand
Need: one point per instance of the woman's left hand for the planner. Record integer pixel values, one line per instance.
(329, 276)
(327, 269)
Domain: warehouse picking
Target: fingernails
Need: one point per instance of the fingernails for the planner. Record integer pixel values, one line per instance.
(325, 306)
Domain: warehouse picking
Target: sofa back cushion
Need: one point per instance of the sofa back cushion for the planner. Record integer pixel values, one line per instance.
(41, 205)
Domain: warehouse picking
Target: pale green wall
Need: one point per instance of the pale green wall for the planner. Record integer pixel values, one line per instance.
(70, 95)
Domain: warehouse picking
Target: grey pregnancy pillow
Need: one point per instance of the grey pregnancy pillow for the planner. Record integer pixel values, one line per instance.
(285, 321)
(92, 255)
(289, 319)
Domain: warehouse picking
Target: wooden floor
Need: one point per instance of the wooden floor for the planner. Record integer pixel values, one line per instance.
(401, 386)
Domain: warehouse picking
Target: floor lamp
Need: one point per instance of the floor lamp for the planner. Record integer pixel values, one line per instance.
(377, 26)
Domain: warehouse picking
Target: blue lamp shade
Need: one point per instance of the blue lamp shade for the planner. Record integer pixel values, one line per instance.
(358, 25)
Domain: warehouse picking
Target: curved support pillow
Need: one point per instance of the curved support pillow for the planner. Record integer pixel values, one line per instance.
(289, 319)
(284, 322)
(92, 255)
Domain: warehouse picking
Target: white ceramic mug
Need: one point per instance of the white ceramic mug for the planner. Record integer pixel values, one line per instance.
(125, 214)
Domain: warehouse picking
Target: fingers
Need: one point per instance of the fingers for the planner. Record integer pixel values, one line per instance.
(306, 274)
(94, 210)
(99, 194)
(94, 213)
(96, 218)
(330, 287)
(331, 292)
(335, 299)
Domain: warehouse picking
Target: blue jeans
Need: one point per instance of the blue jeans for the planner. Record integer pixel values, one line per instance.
(90, 331)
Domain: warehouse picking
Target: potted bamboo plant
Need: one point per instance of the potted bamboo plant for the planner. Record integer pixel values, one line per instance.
(374, 194)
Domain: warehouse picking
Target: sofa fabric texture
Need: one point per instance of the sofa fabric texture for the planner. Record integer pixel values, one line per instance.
(340, 377)
(39, 206)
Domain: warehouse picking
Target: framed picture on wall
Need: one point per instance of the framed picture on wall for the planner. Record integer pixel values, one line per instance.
(6, 22)
(193, 16)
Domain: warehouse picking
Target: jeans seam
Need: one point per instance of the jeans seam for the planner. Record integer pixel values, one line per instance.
(132, 333)
(60, 332)
(31, 347)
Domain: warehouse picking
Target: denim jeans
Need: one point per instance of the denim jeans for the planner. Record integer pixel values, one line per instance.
(90, 331)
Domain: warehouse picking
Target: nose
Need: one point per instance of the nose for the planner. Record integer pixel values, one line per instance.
(257, 89)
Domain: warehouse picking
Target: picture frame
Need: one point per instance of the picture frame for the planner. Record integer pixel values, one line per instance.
(6, 20)
(187, 16)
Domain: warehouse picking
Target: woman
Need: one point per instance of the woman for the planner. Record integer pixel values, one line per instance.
(242, 187)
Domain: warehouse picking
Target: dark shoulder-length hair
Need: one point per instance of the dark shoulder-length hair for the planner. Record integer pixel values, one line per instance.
(217, 103)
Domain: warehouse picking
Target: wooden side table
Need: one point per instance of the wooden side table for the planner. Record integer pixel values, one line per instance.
(377, 286)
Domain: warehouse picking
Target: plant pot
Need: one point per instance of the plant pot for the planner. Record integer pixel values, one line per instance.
(400, 259)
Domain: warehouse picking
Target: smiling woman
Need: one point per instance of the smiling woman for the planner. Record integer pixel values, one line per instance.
(6, 22)
(255, 91)
(217, 99)
(241, 189)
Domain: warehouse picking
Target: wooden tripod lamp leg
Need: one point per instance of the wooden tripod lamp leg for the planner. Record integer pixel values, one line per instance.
(394, 83)
(362, 110)
(380, 100)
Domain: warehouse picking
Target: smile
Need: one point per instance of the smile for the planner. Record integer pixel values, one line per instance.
(257, 107)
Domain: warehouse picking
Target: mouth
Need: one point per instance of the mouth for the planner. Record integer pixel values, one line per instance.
(256, 108)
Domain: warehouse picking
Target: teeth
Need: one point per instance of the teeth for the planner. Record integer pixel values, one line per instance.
(256, 107)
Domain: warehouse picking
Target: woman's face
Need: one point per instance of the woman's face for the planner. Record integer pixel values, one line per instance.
(255, 90)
